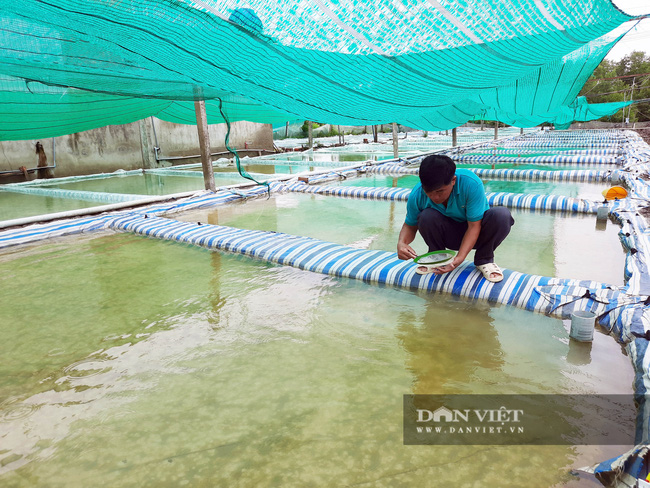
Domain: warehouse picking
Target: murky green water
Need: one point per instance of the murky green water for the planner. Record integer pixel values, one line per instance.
(146, 184)
(18, 205)
(135, 362)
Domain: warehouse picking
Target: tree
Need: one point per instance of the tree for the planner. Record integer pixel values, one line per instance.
(611, 81)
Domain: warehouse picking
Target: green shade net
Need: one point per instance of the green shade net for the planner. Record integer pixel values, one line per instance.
(70, 65)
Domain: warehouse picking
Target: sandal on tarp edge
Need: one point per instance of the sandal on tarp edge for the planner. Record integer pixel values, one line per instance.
(489, 269)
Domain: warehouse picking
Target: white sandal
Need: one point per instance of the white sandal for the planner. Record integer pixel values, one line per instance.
(488, 270)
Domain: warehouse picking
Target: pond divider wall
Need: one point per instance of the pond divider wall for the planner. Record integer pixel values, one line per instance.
(87, 196)
(526, 201)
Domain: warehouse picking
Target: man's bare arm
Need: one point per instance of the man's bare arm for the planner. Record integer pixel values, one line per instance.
(406, 236)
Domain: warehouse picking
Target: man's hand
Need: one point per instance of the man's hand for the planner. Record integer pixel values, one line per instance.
(406, 236)
(449, 267)
(444, 269)
(404, 251)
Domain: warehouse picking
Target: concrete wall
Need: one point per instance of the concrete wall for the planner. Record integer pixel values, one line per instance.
(129, 146)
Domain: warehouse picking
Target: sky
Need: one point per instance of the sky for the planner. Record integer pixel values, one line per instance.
(638, 39)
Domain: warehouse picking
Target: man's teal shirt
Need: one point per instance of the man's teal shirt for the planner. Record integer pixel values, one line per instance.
(467, 201)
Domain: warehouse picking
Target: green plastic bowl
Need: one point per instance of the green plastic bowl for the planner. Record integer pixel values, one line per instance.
(436, 258)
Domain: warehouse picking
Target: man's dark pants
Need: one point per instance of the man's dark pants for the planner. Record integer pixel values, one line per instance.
(441, 232)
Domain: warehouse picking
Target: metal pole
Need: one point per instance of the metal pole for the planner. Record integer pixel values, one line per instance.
(375, 135)
(496, 130)
(454, 137)
(629, 107)
(204, 144)
(156, 147)
(395, 142)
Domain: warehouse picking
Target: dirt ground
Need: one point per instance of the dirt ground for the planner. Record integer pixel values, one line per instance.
(644, 133)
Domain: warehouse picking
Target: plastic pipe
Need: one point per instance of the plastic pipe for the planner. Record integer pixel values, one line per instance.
(174, 158)
(92, 210)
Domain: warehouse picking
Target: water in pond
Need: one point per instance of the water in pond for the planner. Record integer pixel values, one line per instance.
(18, 205)
(129, 361)
(145, 184)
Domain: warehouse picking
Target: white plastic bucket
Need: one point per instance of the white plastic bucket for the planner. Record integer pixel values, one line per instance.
(582, 326)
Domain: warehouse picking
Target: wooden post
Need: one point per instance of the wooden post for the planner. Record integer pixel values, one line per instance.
(521, 131)
(204, 144)
(395, 142)
(310, 127)
(454, 137)
(286, 130)
(147, 160)
(496, 130)
(42, 161)
(482, 125)
(375, 133)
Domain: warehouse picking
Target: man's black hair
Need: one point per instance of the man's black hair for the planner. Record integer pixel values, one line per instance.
(436, 171)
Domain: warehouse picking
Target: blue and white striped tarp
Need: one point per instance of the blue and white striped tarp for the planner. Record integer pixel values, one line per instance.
(37, 232)
(560, 144)
(553, 203)
(583, 176)
(393, 169)
(493, 150)
(556, 203)
(336, 175)
(549, 159)
(206, 199)
(86, 196)
(366, 193)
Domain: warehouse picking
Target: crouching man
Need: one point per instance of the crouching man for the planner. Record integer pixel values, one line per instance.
(450, 210)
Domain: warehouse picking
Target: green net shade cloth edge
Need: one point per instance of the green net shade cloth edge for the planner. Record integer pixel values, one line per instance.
(72, 65)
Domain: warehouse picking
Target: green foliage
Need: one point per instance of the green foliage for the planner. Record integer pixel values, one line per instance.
(305, 127)
(600, 89)
(332, 132)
